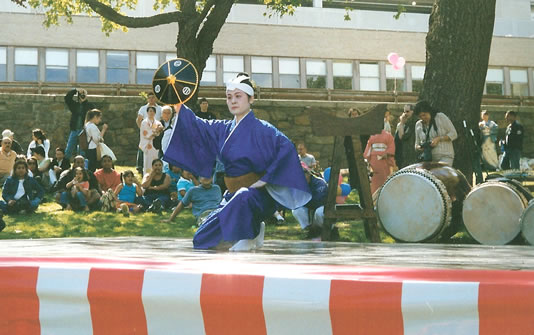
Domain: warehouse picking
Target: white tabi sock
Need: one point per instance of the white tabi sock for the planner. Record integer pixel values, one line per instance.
(244, 245)
(261, 236)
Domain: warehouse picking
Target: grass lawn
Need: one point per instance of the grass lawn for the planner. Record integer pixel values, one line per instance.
(50, 222)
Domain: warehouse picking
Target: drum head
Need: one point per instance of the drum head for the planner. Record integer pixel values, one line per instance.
(491, 213)
(527, 223)
(175, 81)
(411, 206)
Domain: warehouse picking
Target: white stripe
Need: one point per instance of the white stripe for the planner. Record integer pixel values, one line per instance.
(63, 304)
(296, 306)
(172, 302)
(440, 308)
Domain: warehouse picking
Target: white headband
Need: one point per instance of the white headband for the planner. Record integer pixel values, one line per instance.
(236, 83)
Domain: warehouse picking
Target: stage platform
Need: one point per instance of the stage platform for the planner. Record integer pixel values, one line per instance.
(145, 285)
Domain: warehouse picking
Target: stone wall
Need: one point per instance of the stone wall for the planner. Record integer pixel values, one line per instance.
(23, 112)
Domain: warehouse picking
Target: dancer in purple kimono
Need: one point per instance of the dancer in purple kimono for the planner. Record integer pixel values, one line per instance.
(262, 168)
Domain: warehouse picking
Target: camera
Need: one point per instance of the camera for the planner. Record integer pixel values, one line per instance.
(426, 155)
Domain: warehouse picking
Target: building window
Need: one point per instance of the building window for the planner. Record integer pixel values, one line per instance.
(57, 65)
(232, 65)
(87, 66)
(395, 79)
(209, 75)
(26, 64)
(418, 73)
(343, 75)
(3, 64)
(495, 82)
(289, 72)
(519, 82)
(369, 77)
(117, 67)
(147, 64)
(168, 57)
(315, 74)
(262, 71)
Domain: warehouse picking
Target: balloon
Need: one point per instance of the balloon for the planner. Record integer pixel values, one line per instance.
(399, 64)
(393, 57)
(326, 175)
(345, 189)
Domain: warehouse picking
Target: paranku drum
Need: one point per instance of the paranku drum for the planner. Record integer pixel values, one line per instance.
(422, 202)
(492, 210)
(527, 223)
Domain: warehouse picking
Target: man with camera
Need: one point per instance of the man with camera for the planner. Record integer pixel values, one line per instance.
(76, 100)
(434, 133)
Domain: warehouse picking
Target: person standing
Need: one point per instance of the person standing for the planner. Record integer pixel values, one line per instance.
(488, 138)
(148, 131)
(436, 132)
(405, 138)
(203, 113)
(380, 152)
(141, 115)
(513, 142)
(76, 100)
(305, 157)
(94, 137)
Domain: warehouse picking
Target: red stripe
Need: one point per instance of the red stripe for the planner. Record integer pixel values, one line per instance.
(232, 304)
(19, 303)
(116, 301)
(506, 309)
(359, 307)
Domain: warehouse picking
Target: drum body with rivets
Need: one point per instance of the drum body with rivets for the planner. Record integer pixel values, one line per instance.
(527, 223)
(420, 202)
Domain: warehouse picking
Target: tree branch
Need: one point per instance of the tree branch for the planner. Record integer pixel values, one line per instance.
(132, 22)
(211, 28)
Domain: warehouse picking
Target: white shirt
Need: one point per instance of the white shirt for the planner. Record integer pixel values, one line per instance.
(93, 135)
(20, 190)
(33, 144)
(143, 113)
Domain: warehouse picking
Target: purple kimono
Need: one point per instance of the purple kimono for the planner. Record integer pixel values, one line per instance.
(252, 145)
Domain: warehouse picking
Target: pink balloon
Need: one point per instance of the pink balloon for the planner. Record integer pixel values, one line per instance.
(399, 64)
(393, 58)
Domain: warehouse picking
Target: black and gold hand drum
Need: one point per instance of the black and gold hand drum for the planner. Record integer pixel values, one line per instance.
(175, 82)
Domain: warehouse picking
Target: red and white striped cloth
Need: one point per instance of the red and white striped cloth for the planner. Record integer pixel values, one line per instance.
(106, 296)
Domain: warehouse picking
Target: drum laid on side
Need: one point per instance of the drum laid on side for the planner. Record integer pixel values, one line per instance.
(492, 210)
(418, 203)
(527, 223)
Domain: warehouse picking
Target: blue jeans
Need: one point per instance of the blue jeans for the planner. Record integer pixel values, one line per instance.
(72, 143)
(510, 159)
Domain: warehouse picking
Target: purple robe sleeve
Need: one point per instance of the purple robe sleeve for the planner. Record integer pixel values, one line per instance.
(195, 143)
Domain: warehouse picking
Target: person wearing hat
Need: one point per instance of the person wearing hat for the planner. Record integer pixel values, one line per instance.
(76, 100)
(262, 168)
(15, 146)
(7, 158)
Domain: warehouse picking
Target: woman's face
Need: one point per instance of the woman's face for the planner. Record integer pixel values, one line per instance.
(97, 120)
(485, 117)
(32, 165)
(79, 175)
(238, 102)
(20, 171)
(34, 138)
(157, 167)
(151, 113)
(425, 117)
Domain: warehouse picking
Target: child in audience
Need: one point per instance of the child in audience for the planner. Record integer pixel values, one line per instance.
(187, 180)
(127, 192)
(175, 173)
(79, 188)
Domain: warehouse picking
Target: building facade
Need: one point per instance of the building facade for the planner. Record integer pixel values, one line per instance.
(314, 48)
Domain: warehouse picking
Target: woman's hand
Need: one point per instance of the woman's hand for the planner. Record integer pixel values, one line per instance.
(435, 141)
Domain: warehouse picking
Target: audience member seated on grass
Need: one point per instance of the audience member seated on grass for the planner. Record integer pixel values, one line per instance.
(15, 146)
(129, 194)
(204, 197)
(187, 181)
(94, 188)
(33, 169)
(21, 192)
(7, 159)
(43, 165)
(175, 173)
(107, 177)
(156, 186)
(78, 190)
(38, 140)
(60, 163)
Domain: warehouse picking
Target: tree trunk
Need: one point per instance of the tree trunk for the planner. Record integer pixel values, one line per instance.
(457, 52)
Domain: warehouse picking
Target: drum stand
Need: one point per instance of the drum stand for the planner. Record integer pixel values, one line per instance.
(346, 134)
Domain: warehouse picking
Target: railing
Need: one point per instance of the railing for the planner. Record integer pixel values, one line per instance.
(262, 93)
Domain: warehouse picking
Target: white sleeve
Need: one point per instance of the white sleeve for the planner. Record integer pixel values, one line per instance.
(46, 145)
(30, 146)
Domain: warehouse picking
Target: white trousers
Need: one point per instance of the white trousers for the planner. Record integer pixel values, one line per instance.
(302, 215)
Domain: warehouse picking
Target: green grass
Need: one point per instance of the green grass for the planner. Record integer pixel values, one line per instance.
(50, 221)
